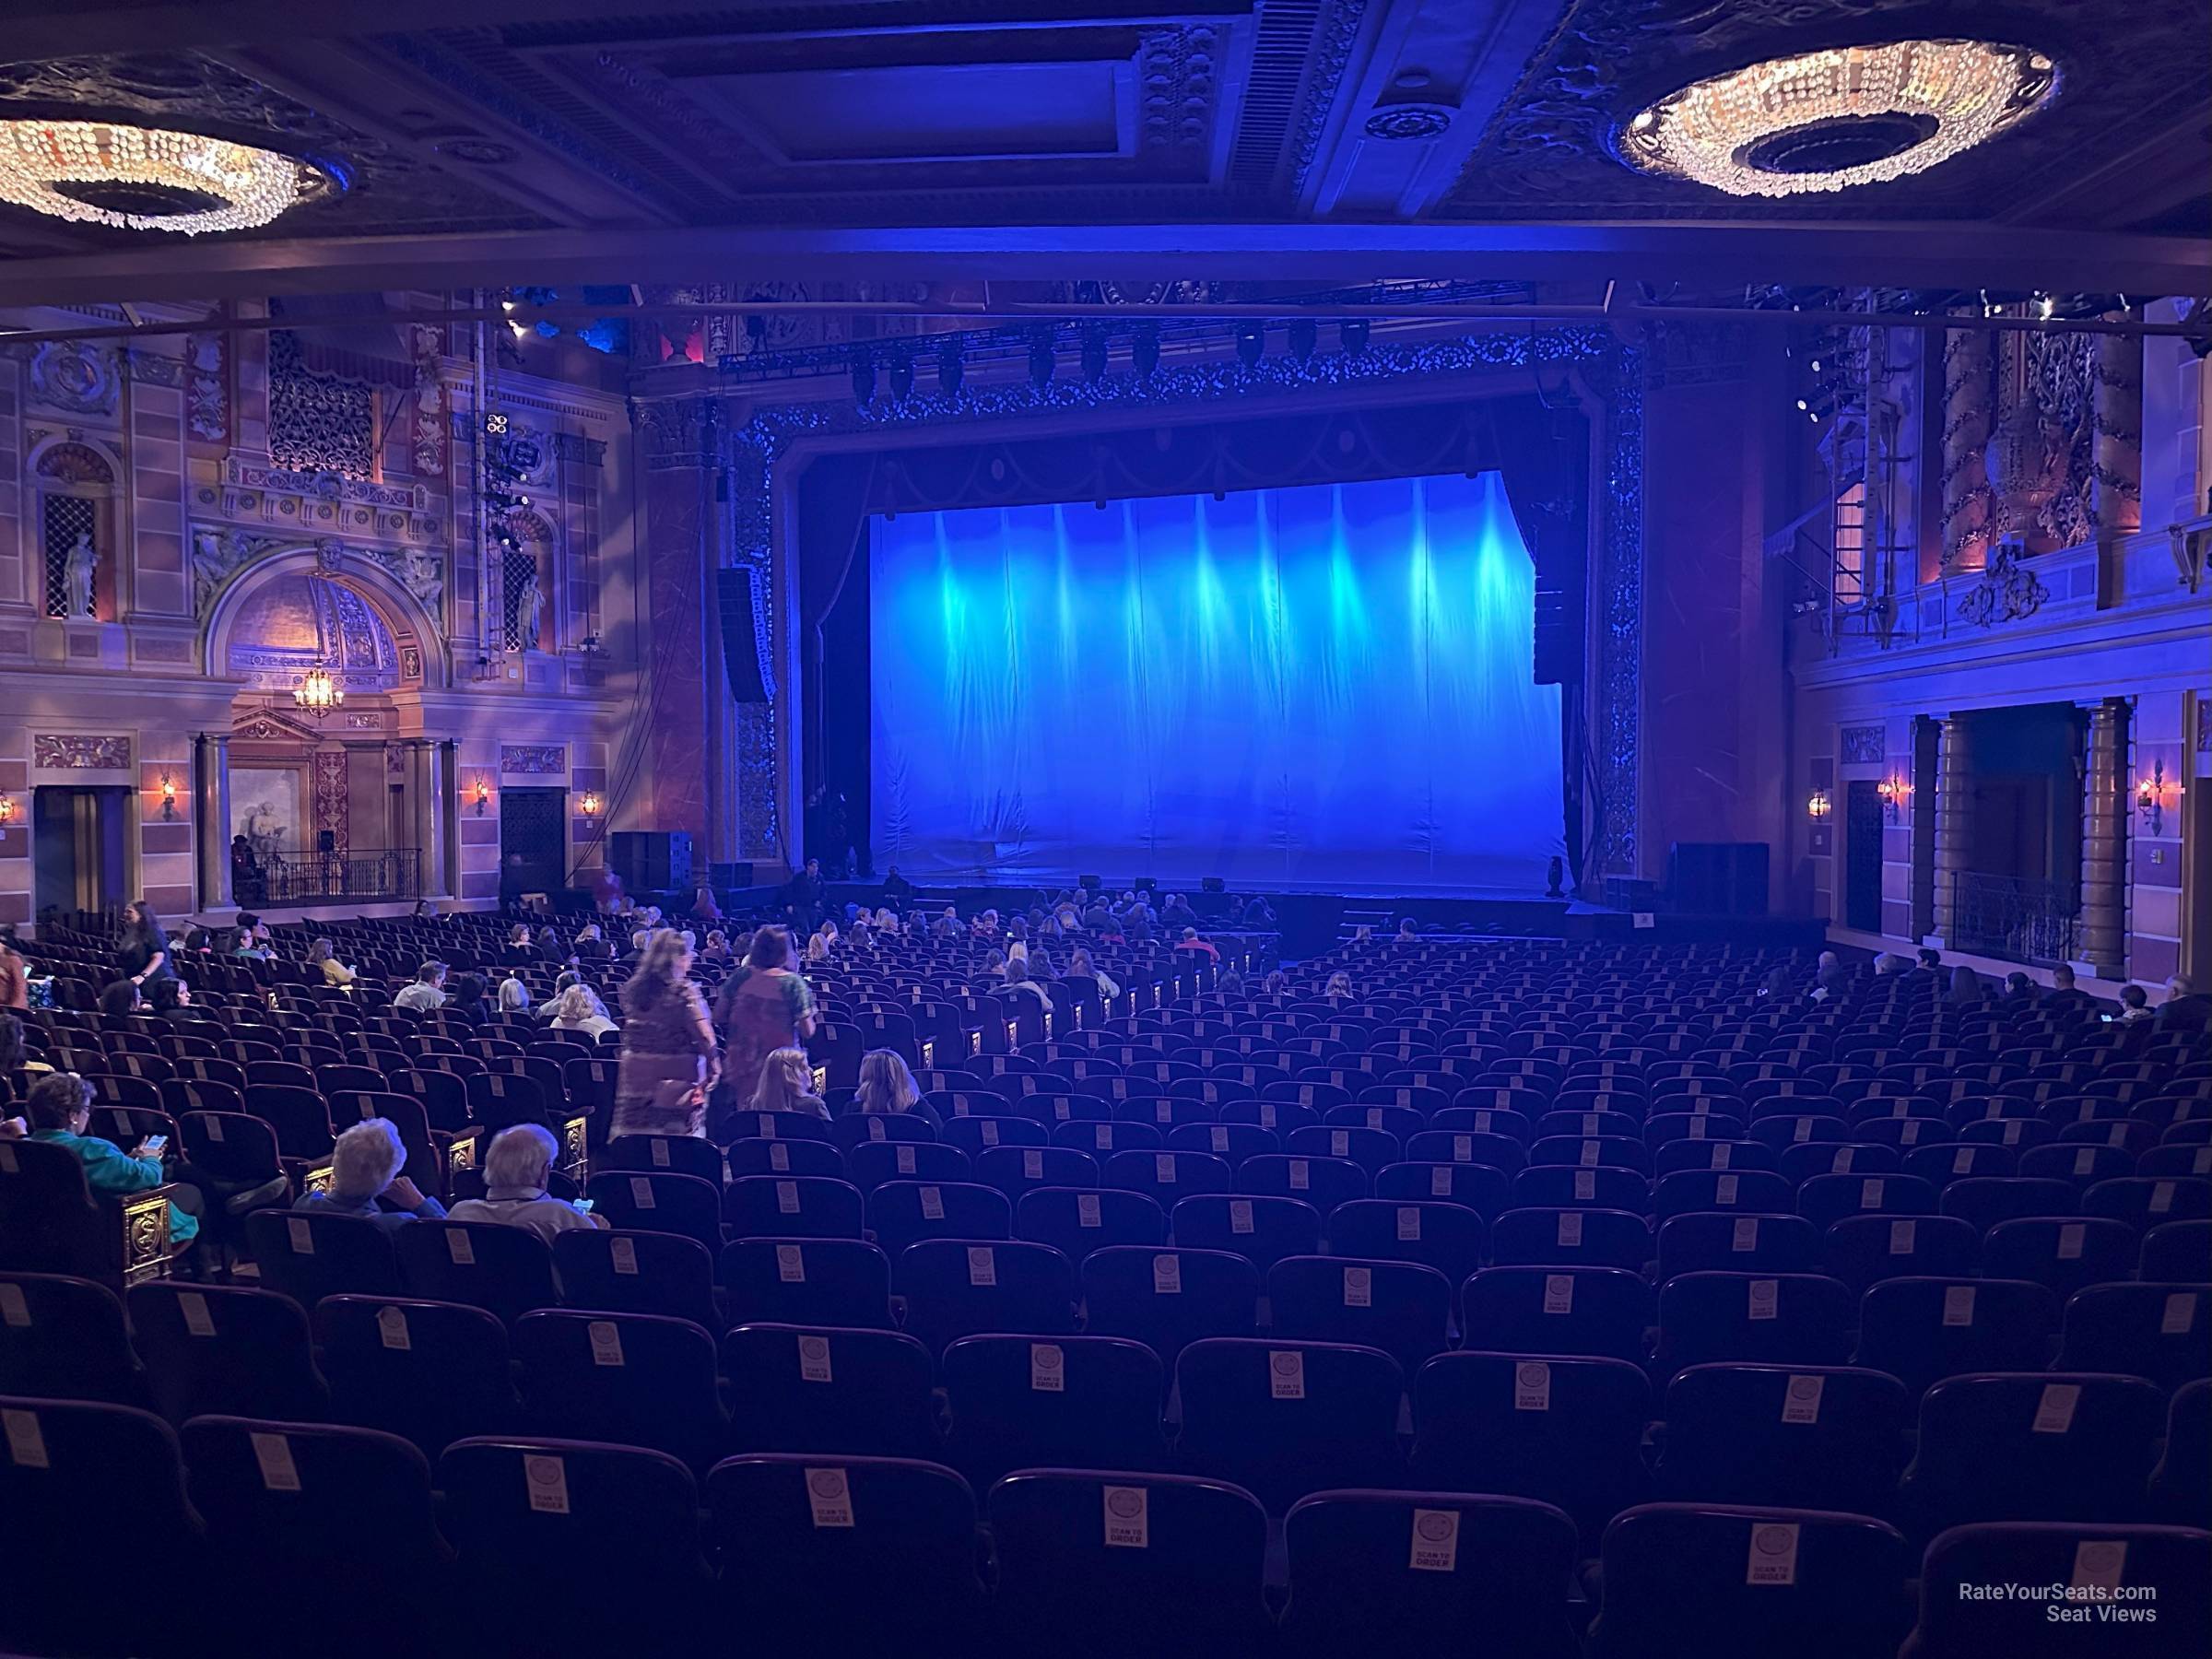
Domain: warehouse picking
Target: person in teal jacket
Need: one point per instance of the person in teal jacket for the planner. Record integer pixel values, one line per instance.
(60, 1108)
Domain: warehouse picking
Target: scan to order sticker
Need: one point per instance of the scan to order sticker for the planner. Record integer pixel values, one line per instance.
(641, 1192)
(1167, 1274)
(1409, 1222)
(1032, 1164)
(1903, 1236)
(14, 1310)
(1558, 1293)
(1532, 1385)
(1763, 1298)
(392, 1329)
(1440, 1181)
(1301, 1177)
(1959, 1304)
(1240, 1214)
(1724, 1189)
(1217, 1137)
(932, 1204)
(2054, 1412)
(274, 1454)
(1722, 1154)
(1286, 1374)
(2098, 1563)
(1359, 1287)
(1586, 1185)
(787, 1198)
(547, 1480)
(26, 1439)
(1801, 1399)
(1569, 1229)
(831, 1497)
(1462, 1145)
(194, 1307)
(1163, 1168)
(1087, 1209)
(1048, 1368)
(1744, 1235)
(1127, 1517)
(983, 1266)
(1435, 1540)
(1102, 1136)
(990, 1132)
(606, 1341)
(1773, 1553)
(902, 1154)
(2072, 1235)
(2180, 1317)
(791, 1264)
(814, 1360)
(302, 1235)
(1870, 1192)
(779, 1157)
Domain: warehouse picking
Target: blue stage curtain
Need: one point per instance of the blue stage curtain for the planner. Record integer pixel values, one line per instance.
(1325, 688)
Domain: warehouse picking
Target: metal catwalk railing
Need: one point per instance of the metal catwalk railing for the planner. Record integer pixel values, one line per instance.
(319, 877)
(2015, 917)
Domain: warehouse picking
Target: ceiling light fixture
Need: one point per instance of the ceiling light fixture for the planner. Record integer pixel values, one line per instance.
(1826, 121)
(133, 178)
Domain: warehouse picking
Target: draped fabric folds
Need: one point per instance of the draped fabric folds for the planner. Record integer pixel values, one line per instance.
(1325, 687)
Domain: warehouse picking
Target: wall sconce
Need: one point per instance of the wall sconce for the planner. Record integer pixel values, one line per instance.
(1816, 806)
(169, 799)
(483, 794)
(1893, 789)
(7, 809)
(2150, 799)
(589, 803)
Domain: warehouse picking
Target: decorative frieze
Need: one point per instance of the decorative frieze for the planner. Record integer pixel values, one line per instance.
(1864, 745)
(533, 759)
(63, 751)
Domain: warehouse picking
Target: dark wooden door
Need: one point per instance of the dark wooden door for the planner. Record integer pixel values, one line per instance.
(1863, 856)
(533, 841)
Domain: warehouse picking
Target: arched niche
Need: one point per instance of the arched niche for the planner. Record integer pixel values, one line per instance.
(418, 659)
(75, 481)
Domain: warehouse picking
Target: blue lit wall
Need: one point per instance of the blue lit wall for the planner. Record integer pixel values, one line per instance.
(1325, 686)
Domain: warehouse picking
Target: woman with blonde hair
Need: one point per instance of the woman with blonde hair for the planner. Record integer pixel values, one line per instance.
(817, 949)
(322, 954)
(1080, 966)
(885, 1085)
(514, 997)
(579, 1010)
(668, 1049)
(1339, 988)
(786, 1085)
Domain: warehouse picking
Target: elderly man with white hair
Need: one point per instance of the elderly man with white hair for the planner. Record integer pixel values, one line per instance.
(364, 1169)
(515, 1171)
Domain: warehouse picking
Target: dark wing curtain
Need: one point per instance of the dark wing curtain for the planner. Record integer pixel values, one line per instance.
(1542, 453)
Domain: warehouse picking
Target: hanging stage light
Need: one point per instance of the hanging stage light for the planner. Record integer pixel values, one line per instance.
(1094, 356)
(1251, 344)
(1144, 352)
(863, 375)
(1351, 333)
(902, 377)
(951, 366)
(1304, 333)
(1042, 359)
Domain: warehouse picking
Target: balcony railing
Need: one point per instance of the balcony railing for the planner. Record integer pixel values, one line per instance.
(2015, 918)
(322, 877)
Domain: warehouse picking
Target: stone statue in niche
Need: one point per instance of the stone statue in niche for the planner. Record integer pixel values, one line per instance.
(423, 571)
(77, 571)
(526, 605)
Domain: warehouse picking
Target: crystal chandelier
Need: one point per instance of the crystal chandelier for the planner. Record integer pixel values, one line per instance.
(1830, 119)
(146, 178)
(317, 692)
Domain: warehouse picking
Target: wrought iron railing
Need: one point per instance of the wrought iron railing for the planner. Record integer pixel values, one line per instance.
(319, 877)
(2015, 917)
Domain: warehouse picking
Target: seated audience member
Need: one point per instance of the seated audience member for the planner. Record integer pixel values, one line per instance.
(321, 954)
(2019, 992)
(591, 945)
(897, 889)
(120, 999)
(469, 1000)
(1039, 964)
(2135, 1005)
(1276, 985)
(1258, 913)
(947, 925)
(1926, 969)
(551, 1005)
(1831, 977)
(818, 947)
(1177, 914)
(1232, 983)
(1191, 941)
(2185, 1008)
(514, 997)
(1080, 966)
(885, 1085)
(253, 942)
(171, 999)
(1966, 987)
(427, 993)
(549, 948)
(2067, 997)
(15, 976)
(887, 920)
(521, 945)
(786, 1084)
(59, 1110)
(995, 964)
(579, 1010)
(424, 911)
(1017, 978)
(1775, 987)
(1339, 988)
(1098, 917)
(1136, 923)
(515, 1169)
(1408, 929)
(717, 947)
(703, 908)
(1068, 913)
(1887, 964)
(364, 1168)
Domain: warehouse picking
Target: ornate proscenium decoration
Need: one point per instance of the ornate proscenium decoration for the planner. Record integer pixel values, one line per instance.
(133, 178)
(1817, 805)
(318, 693)
(1893, 790)
(1830, 119)
(2008, 589)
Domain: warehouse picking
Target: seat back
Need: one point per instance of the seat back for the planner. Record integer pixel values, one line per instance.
(664, 1154)
(1864, 1250)
(1073, 1402)
(791, 1207)
(1284, 1418)
(1166, 1299)
(845, 1282)
(308, 1255)
(824, 1389)
(626, 1379)
(1403, 1308)
(1261, 1228)
(1800, 1437)
(639, 1201)
(627, 1271)
(956, 1288)
(433, 1373)
(2063, 1254)
(1588, 1310)
(901, 1213)
(1576, 1237)
(1783, 1318)
(1444, 1236)
(2040, 1446)
(1717, 1241)
(871, 1163)
(63, 1338)
(1922, 1329)
(505, 1270)
(2158, 1331)
(1077, 1220)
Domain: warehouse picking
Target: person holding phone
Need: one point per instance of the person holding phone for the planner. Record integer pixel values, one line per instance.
(515, 1171)
(60, 1109)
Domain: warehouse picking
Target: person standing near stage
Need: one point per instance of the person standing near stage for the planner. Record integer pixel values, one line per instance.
(762, 1007)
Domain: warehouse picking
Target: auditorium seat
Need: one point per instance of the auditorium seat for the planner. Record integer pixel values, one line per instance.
(806, 1281)
(822, 1389)
(1483, 1188)
(1558, 1186)
(2144, 1201)
(1019, 1170)
(854, 1128)
(1102, 1140)
(307, 1255)
(1397, 1573)
(2181, 1485)
(1792, 1437)
(1802, 1160)
(1567, 1431)
(1076, 1221)
(2178, 1253)
(1571, 1238)
(1166, 1177)
(1737, 1582)
(1982, 1202)
(1717, 1241)
(1260, 1230)
(844, 1555)
(1088, 1402)
(901, 1213)
(1167, 1299)
(975, 1134)
(225, 1351)
(626, 1379)
(660, 1273)
(2063, 1254)
(64, 1338)
(2168, 1567)
(956, 1288)
(1782, 1319)
(2159, 1331)
(505, 1270)
(605, 1538)
(1825, 1199)
(1447, 1237)
(1403, 1308)
(1103, 1566)
(1284, 1418)
(796, 1207)
(1324, 1182)
(1920, 1330)
(872, 1163)
(754, 1155)
(1602, 1312)
(432, 1372)
(2035, 1446)
(672, 1155)
(1865, 1250)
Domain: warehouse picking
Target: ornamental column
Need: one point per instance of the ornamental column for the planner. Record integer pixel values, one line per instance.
(1967, 380)
(2103, 942)
(1954, 823)
(211, 818)
(2116, 452)
(426, 810)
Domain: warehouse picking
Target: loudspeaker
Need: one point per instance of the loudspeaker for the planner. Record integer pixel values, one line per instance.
(1726, 878)
(1087, 883)
(744, 662)
(1146, 884)
(652, 861)
(326, 841)
(726, 876)
(1213, 883)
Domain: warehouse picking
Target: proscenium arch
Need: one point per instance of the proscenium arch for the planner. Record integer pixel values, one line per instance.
(413, 628)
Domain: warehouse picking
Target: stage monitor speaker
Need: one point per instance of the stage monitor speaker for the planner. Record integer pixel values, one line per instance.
(745, 660)
(1146, 884)
(1718, 879)
(726, 876)
(1213, 883)
(652, 861)
(1089, 884)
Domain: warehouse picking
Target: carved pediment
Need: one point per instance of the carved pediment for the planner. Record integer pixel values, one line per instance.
(270, 725)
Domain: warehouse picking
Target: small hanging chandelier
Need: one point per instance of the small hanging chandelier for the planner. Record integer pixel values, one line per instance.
(317, 693)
